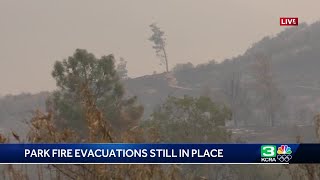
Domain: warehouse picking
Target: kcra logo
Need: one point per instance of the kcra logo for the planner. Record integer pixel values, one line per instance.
(270, 153)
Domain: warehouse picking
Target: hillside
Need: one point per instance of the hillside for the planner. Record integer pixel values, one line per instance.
(15, 111)
(295, 57)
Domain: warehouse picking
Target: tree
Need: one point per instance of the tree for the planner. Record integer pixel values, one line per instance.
(122, 69)
(193, 120)
(232, 90)
(269, 95)
(190, 119)
(80, 78)
(183, 67)
(236, 95)
(84, 71)
(159, 44)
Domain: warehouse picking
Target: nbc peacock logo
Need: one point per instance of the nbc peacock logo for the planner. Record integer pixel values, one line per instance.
(284, 153)
(284, 149)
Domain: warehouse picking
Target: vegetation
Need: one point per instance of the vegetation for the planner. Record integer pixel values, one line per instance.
(122, 69)
(84, 71)
(159, 44)
(91, 105)
(85, 78)
(82, 76)
(269, 97)
(191, 120)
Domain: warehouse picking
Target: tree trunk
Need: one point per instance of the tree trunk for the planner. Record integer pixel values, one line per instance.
(165, 59)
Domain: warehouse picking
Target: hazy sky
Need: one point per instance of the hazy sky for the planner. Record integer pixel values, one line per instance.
(35, 33)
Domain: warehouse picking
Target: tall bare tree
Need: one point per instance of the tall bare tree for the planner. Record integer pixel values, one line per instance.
(236, 95)
(270, 97)
(232, 91)
(159, 44)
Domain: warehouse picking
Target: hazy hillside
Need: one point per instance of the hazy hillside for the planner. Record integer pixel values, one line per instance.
(295, 58)
(295, 55)
(15, 111)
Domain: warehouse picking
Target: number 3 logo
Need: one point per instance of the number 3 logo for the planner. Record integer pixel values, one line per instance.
(268, 151)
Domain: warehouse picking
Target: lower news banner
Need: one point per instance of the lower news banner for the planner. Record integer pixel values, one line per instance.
(158, 153)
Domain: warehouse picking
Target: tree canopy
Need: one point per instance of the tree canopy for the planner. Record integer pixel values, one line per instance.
(190, 119)
(84, 70)
(159, 44)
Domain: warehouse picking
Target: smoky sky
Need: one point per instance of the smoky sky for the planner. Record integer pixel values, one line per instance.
(35, 33)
